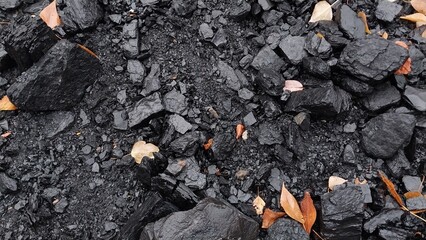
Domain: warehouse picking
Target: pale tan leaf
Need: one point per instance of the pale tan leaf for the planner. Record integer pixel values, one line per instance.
(409, 195)
(245, 135)
(358, 182)
(290, 205)
(420, 23)
(293, 86)
(269, 217)
(322, 11)
(258, 205)
(142, 149)
(419, 5)
(334, 181)
(415, 17)
(391, 188)
(50, 15)
(6, 104)
(309, 212)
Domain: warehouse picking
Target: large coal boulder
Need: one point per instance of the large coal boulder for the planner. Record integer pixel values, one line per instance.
(210, 219)
(79, 14)
(26, 39)
(57, 81)
(372, 59)
(385, 134)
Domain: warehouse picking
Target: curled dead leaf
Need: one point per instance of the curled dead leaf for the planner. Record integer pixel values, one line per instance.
(208, 144)
(88, 51)
(50, 15)
(364, 20)
(239, 130)
(293, 86)
(6, 134)
(142, 149)
(269, 217)
(406, 66)
(6, 104)
(415, 17)
(334, 181)
(309, 212)
(419, 5)
(391, 188)
(409, 195)
(385, 35)
(290, 205)
(258, 205)
(322, 11)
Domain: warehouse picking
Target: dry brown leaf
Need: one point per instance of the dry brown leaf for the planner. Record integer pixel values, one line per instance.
(319, 35)
(290, 205)
(239, 130)
(269, 217)
(358, 182)
(419, 5)
(406, 67)
(208, 145)
(385, 35)
(364, 20)
(322, 11)
(415, 17)
(88, 50)
(258, 205)
(334, 181)
(142, 149)
(293, 86)
(6, 104)
(6, 134)
(391, 188)
(309, 212)
(50, 15)
(409, 195)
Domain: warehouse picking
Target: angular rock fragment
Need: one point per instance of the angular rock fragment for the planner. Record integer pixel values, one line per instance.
(331, 32)
(120, 120)
(206, 31)
(416, 203)
(293, 48)
(270, 81)
(325, 101)
(191, 174)
(239, 9)
(342, 213)
(149, 2)
(385, 134)
(317, 67)
(10, 4)
(187, 144)
(267, 58)
(210, 219)
(57, 81)
(223, 145)
(285, 228)
(265, 4)
(56, 122)
(5, 60)
(179, 123)
(184, 7)
(175, 102)
(272, 17)
(412, 183)
(352, 85)
(220, 38)
(384, 96)
(372, 59)
(416, 97)
(7, 184)
(387, 11)
(398, 164)
(231, 78)
(152, 82)
(385, 217)
(317, 46)
(80, 15)
(27, 39)
(145, 108)
(394, 233)
(131, 39)
(136, 70)
(270, 134)
(349, 22)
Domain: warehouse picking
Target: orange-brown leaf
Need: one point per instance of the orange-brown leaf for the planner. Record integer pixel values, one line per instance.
(391, 188)
(385, 35)
(358, 182)
(401, 44)
(309, 212)
(405, 68)
(409, 195)
(364, 20)
(269, 217)
(50, 15)
(6, 104)
(419, 5)
(239, 130)
(290, 205)
(208, 145)
(88, 50)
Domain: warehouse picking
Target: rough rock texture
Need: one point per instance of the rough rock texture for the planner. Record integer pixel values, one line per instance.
(416, 97)
(57, 81)
(326, 101)
(342, 213)
(80, 15)
(383, 218)
(210, 219)
(293, 48)
(386, 10)
(145, 108)
(384, 96)
(7, 184)
(28, 40)
(270, 81)
(267, 58)
(10, 4)
(372, 59)
(285, 228)
(349, 22)
(386, 133)
(56, 122)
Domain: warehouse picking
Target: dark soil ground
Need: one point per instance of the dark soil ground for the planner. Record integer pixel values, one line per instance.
(99, 202)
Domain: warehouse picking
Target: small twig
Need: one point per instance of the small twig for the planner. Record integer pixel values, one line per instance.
(318, 235)
(421, 184)
(415, 215)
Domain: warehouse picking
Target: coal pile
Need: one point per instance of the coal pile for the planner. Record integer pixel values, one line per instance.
(207, 84)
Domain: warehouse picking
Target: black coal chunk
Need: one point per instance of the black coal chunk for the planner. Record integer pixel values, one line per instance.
(394, 233)
(131, 39)
(317, 46)
(187, 144)
(285, 228)
(10, 4)
(267, 58)
(80, 15)
(57, 81)
(383, 218)
(56, 122)
(270, 81)
(317, 67)
(387, 11)
(223, 145)
(398, 164)
(342, 213)
(352, 85)
(27, 39)
(372, 59)
(184, 7)
(270, 134)
(239, 9)
(384, 96)
(145, 108)
(210, 219)
(152, 208)
(7, 184)
(350, 23)
(5, 60)
(416, 97)
(324, 101)
(385, 134)
(293, 48)
(332, 34)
